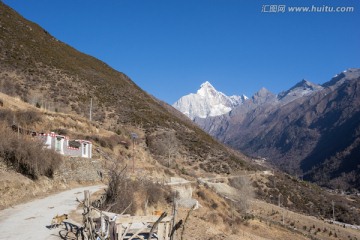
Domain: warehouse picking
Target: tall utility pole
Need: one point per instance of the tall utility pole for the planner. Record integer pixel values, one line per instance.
(133, 137)
(283, 210)
(279, 203)
(90, 117)
(333, 209)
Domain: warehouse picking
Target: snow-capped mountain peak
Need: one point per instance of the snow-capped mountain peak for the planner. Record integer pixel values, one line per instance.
(206, 84)
(207, 101)
(302, 88)
(206, 89)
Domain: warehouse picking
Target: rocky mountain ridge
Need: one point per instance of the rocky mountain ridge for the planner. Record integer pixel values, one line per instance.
(309, 130)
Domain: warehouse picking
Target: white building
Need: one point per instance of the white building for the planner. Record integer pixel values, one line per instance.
(64, 146)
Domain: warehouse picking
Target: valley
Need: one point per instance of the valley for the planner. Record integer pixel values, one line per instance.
(297, 130)
(150, 157)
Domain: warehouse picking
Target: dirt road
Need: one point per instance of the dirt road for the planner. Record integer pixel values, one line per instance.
(29, 221)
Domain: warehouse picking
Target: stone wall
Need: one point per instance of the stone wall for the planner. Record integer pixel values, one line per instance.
(80, 170)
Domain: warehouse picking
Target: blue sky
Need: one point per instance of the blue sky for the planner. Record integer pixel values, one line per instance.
(170, 47)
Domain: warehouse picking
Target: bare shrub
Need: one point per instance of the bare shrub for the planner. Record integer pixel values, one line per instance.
(19, 118)
(61, 131)
(27, 117)
(201, 194)
(120, 192)
(27, 155)
(110, 142)
(164, 145)
(7, 116)
(212, 217)
(168, 172)
(214, 205)
(154, 192)
(8, 87)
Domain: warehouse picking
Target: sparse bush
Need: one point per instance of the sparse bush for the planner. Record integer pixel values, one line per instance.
(164, 145)
(118, 131)
(120, 191)
(213, 217)
(110, 142)
(27, 155)
(214, 205)
(168, 172)
(6, 116)
(23, 118)
(154, 192)
(201, 194)
(27, 117)
(61, 131)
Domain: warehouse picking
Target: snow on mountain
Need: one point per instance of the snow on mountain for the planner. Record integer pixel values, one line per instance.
(300, 89)
(207, 101)
(339, 79)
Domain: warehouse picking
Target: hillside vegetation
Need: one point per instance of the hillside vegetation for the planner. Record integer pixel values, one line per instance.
(42, 70)
(112, 152)
(56, 82)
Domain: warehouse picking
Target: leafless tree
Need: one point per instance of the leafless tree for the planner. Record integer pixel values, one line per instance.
(165, 145)
(171, 146)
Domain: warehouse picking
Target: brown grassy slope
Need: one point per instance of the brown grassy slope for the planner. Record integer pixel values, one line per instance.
(301, 197)
(40, 69)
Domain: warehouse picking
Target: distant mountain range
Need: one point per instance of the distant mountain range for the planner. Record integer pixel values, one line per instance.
(309, 130)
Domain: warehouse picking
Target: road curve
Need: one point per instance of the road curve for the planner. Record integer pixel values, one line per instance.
(29, 220)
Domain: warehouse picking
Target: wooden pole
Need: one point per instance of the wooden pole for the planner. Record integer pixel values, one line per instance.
(186, 219)
(163, 215)
(172, 237)
(90, 115)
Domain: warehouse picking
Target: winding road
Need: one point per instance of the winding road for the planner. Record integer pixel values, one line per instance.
(29, 221)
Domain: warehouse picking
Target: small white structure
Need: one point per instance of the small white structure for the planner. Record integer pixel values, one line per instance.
(61, 144)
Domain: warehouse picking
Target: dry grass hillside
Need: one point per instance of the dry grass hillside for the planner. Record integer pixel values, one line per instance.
(43, 71)
(46, 86)
(217, 218)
